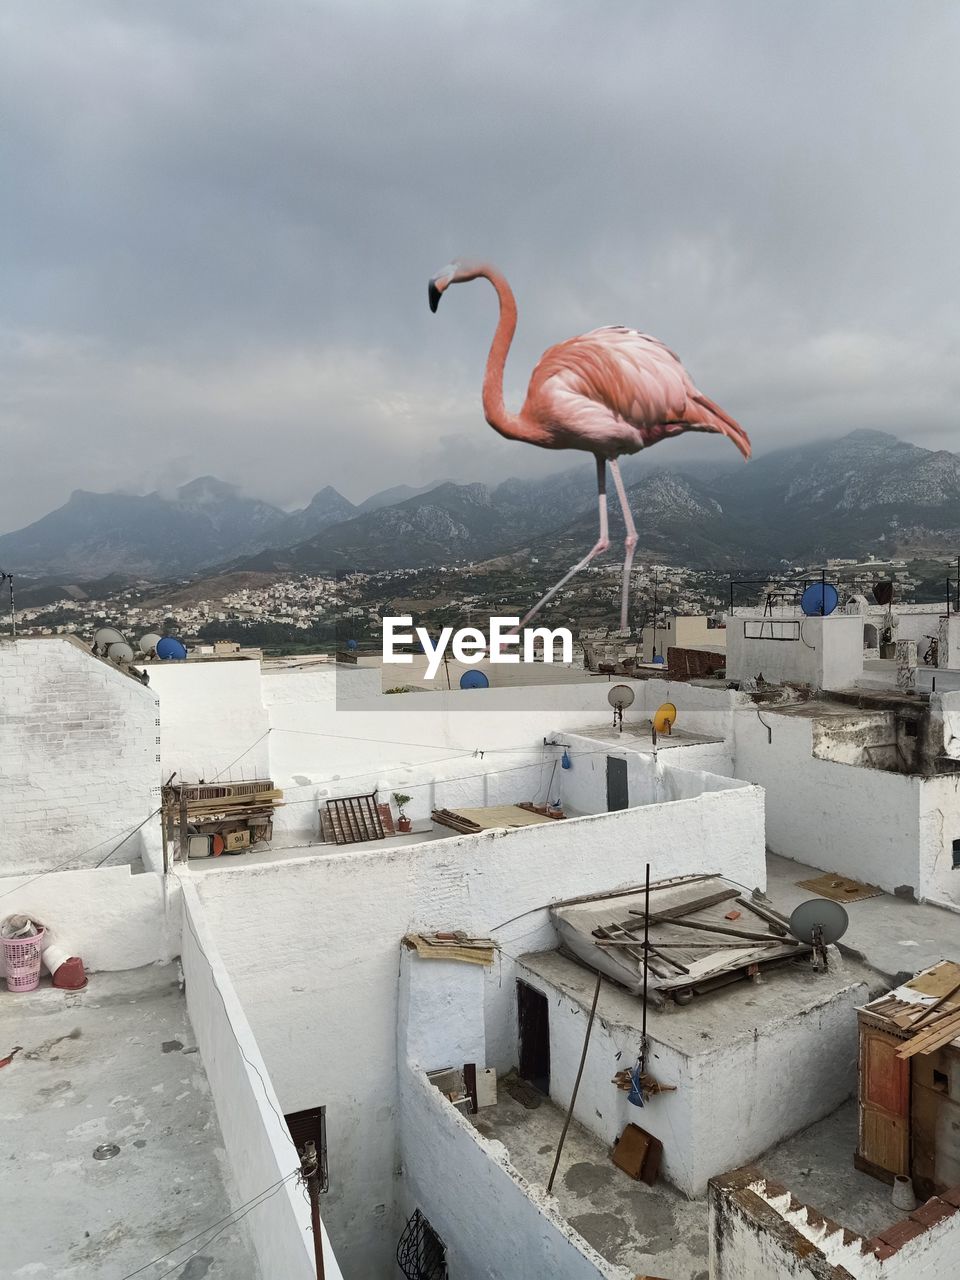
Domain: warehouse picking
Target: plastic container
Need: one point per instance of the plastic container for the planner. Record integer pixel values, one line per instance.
(22, 956)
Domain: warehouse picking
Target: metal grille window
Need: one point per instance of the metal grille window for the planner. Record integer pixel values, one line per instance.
(421, 1254)
(311, 1126)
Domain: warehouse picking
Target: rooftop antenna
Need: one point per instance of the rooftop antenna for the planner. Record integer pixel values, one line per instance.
(8, 578)
(620, 696)
(818, 922)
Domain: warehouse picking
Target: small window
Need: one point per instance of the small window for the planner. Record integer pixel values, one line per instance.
(311, 1126)
(940, 1081)
(956, 855)
(910, 728)
(421, 1254)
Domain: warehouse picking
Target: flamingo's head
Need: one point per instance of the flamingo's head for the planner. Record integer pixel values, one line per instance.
(441, 282)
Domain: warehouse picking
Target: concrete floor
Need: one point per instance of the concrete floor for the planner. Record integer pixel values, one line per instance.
(891, 935)
(639, 737)
(657, 1230)
(114, 1063)
(817, 1166)
(648, 1230)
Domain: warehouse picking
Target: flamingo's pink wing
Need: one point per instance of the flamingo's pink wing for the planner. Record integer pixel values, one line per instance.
(624, 390)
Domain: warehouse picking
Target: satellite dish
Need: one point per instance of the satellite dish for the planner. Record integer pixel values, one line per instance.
(171, 648)
(351, 644)
(106, 636)
(819, 599)
(149, 642)
(819, 914)
(474, 680)
(664, 717)
(883, 592)
(119, 651)
(620, 696)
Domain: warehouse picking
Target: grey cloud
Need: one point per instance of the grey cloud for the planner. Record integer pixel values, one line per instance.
(219, 220)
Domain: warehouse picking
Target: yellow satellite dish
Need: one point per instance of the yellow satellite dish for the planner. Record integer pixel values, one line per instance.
(664, 717)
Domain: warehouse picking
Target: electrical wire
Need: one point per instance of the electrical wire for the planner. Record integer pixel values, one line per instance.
(128, 832)
(222, 1224)
(241, 755)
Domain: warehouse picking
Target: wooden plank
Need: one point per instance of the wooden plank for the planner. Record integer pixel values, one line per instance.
(734, 933)
(930, 1009)
(934, 1037)
(688, 908)
(771, 917)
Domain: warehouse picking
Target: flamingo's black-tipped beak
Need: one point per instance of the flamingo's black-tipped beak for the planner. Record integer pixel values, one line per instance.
(434, 295)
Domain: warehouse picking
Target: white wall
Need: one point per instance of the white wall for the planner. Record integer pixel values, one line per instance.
(650, 779)
(730, 1105)
(78, 755)
(861, 822)
(210, 712)
(324, 1008)
(259, 1148)
(110, 918)
(827, 653)
(494, 1224)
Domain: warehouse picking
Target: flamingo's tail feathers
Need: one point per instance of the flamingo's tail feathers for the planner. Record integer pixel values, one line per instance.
(710, 417)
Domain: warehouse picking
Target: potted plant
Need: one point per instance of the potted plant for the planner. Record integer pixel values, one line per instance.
(403, 822)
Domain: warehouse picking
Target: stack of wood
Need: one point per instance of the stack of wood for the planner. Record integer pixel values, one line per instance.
(928, 1027)
(240, 800)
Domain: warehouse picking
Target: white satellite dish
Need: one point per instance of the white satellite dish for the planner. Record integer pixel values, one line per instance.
(620, 696)
(106, 636)
(120, 651)
(149, 642)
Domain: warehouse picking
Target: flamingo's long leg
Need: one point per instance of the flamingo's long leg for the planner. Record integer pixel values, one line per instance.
(629, 542)
(603, 541)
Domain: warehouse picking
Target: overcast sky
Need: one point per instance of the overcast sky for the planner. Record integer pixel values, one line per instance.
(218, 219)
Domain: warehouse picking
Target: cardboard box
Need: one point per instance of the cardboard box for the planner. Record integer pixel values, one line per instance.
(234, 840)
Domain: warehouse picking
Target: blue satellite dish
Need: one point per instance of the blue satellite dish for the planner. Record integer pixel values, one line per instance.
(819, 599)
(474, 680)
(171, 648)
(351, 644)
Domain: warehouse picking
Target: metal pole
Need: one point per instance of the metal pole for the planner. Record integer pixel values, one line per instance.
(655, 577)
(576, 1083)
(309, 1165)
(646, 945)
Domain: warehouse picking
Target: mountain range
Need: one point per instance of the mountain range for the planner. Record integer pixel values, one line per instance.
(865, 491)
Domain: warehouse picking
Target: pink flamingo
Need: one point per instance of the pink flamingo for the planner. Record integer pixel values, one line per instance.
(611, 391)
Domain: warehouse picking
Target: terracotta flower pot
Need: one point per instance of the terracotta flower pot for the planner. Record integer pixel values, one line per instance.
(404, 825)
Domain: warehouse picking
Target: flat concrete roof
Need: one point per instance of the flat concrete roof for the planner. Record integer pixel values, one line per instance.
(114, 1063)
(893, 936)
(718, 1018)
(639, 737)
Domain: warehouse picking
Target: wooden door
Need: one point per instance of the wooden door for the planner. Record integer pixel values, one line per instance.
(884, 1102)
(618, 795)
(533, 1016)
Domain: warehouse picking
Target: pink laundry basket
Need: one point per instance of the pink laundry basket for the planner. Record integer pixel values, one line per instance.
(22, 956)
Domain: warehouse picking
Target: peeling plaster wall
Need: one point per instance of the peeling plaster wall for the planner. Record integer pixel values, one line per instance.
(312, 946)
(259, 1148)
(494, 1224)
(78, 755)
(731, 1104)
(939, 827)
(110, 918)
(759, 1230)
(864, 823)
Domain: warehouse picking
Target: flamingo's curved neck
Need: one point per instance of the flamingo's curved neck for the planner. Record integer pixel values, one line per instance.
(511, 425)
